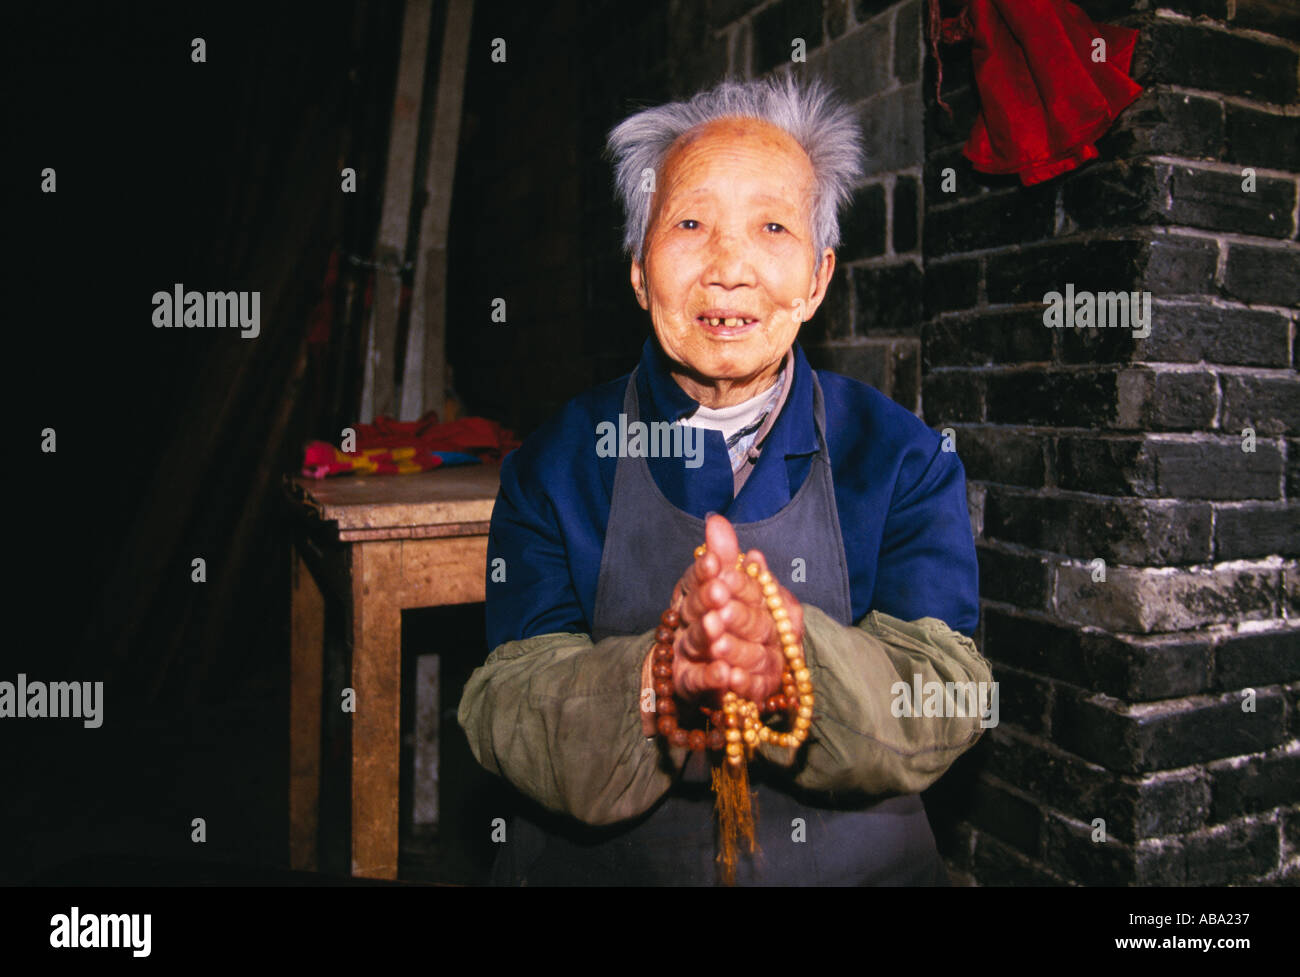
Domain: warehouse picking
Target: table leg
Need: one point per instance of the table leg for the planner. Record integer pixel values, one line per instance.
(307, 637)
(376, 724)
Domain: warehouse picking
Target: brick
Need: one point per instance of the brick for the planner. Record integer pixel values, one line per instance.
(1193, 56)
(862, 228)
(1129, 531)
(1171, 265)
(1261, 139)
(1175, 266)
(1150, 600)
(1155, 467)
(1013, 578)
(906, 207)
(1113, 194)
(1187, 333)
(1263, 275)
(1165, 735)
(1216, 201)
(952, 396)
(907, 42)
(1142, 192)
(1216, 334)
(1251, 784)
(1165, 400)
(1050, 398)
(1161, 804)
(990, 339)
(1166, 123)
(776, 27)
(1256, 529)
(951, 285)
(1291, 589)
(995, 454)
(859, 61)
(991, 221)
(1024, 700)
(996, 863)
(1257, 658)
(1069, 849)
(1235, 852)
(888, 299)
(1005, 814)
(892, 130)
(1129, 668)
(1138, 399)
(1271, 405)
(891, 366)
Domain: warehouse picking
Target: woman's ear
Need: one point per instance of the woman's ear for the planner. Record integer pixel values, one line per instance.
(821, 282)
(638, 285)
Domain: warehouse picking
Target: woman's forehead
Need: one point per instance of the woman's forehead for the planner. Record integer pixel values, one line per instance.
(730, 141)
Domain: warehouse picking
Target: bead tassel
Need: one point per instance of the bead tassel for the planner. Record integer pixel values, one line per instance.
(738, 727)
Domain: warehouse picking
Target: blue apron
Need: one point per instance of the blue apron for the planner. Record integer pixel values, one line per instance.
(803, 838)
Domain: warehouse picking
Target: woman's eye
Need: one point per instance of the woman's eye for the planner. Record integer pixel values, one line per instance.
(688, 224)
(773, 227)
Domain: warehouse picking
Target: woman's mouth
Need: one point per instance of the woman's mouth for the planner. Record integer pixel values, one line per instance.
(726, 322)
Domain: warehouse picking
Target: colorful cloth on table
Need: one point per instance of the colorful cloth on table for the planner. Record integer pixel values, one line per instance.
(393, 447)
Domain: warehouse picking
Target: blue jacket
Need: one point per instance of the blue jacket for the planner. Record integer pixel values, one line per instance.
(901, 501)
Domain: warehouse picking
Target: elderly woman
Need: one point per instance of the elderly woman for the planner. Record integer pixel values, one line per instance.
(848, 498)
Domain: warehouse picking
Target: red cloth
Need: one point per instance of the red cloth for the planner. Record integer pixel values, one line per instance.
(1043, 99)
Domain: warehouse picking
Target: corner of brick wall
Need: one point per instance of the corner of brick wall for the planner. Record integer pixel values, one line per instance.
(1140, 570)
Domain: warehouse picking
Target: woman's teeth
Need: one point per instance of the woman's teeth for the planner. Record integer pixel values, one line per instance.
(730, 323)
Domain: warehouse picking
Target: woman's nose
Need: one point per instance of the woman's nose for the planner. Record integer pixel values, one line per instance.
(728, 262)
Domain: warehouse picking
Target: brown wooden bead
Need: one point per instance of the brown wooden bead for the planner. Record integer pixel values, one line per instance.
(662, 670)
(666, 707)
(666, 725)
(663, 635)
(663, 690)
(698, 739)
(670, 618)
(680, 738)
(719, 718)
(716, 739)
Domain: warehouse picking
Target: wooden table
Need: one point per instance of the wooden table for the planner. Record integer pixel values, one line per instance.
(380, 544)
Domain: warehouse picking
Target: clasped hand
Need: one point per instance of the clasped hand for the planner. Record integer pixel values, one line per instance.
(727, 640)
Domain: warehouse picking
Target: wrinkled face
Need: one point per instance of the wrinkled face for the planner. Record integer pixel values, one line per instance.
(729, 270)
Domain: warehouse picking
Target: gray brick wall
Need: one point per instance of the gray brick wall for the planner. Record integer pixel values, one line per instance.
(1122, 698)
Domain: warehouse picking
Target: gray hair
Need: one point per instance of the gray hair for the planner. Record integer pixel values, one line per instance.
(825, 128)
